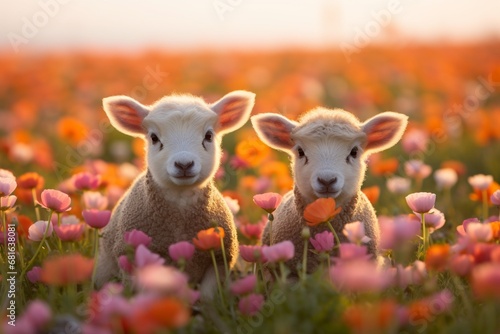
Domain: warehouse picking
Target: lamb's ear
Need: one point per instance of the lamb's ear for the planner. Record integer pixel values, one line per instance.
(125, 114)
(233, 109)
(384, 130)
(274, 130)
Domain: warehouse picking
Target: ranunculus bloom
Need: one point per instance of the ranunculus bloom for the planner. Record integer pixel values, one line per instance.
(7, 202)
(244, 285)
(144, 257)
(29, 181)
(421, 202)
(486, 281)
(135, 238)
(280, 252)
(434, 220)
(479, 232)
(160, 314)
(480, 181)
(96, 218)
(251, 304)
(495, 198)
(34, 274)
(209, 239)
(445, 178)
(36, 231)
(55, 200)
(360, 276)
(323, 242)
(86, 181)
(268, 201)
(253, 231)
(437, 257)
(320, 211)
(462, 264)
(69, 232)
(37, 313)
(398, 185)
(66, 269)
(417, 169)
(7, 184)
(162, 279)
(377, 317)
(355, 232)
(397, 231)
(349, 251)
(181, 250)
(95, 200)
(125, 264)
(252, 253)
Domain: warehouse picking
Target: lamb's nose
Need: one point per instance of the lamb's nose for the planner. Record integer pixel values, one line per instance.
(328, 182)
(184, 166)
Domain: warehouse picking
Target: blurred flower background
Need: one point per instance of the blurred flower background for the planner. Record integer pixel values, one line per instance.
(438, 63)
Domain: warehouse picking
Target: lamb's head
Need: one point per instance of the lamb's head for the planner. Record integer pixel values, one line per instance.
(329, 147)
(182, 133)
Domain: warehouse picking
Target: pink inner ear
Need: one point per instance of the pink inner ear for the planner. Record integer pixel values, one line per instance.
(381, 133)
(276, 132)
(128, 117)
(231, 113)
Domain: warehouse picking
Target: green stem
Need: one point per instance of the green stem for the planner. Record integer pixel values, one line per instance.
(37, 209)
(96, 254)
(304, 261)
(226, 267)
(485, 204)
(424, 234)
(337, 240)
(283, 272)
(259, 268)
(37, 250)
(219, 286)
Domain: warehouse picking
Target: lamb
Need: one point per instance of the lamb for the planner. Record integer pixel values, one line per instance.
(175, 197)
(328, 150)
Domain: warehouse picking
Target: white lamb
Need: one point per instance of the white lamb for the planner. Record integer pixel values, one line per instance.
(175, 197)
(328, 150)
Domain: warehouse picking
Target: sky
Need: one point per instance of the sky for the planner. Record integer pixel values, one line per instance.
(133, 25)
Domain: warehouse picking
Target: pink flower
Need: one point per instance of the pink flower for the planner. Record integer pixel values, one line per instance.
(418, 272)
(55, 200)
(95, 200)
(359, 276)
(232, 204)
(349, 251)
(398, 185)
(421, 202)
(486, 281)
(38, 313)
(495, 198)
(86, 181)
(355, 232)
(7, 202)
(268, 201)
(7, 184)
(433, 220)
(417, 169)
(479, 232)
(36, 231)
(135, 238)
(244, 285)
(144, 257)
(182, 250)
(402, 276)
(96, 218)
(238, 163)
(69, 232)
(253, 231)
(462, 264)
(480, 181)
(396, 231)
(252, 253)
(280, 252)
(445, 178)
(251, 304)
(125, 264)
(323, 242)
(159, 278)
(461, 229)
(415, 140)
(34, 274)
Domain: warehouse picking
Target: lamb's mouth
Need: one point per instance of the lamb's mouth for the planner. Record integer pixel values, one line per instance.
(184, 179)
(333, 194)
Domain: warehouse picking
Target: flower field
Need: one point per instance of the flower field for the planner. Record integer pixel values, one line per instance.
(63, 167)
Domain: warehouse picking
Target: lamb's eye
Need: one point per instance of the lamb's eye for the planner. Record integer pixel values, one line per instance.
(209, 136)
(301, 153)
(353, 154)
(154, 138)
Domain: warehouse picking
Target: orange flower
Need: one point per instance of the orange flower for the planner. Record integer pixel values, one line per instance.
(71, 130)
(384, 167)
(320, 211)
(24, 224)
(166, 313)
(477, 195)
(29, 181)
(371, 318)
(252, 151)
(209, 239)
(66, 269)
(372, 193)
(495, 226)
(437, 257)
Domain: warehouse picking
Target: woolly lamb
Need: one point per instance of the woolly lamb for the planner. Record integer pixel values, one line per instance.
(175, 197)
(328, 150)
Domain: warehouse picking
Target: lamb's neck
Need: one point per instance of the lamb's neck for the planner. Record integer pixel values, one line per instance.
(344, 215)
(178, 196)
